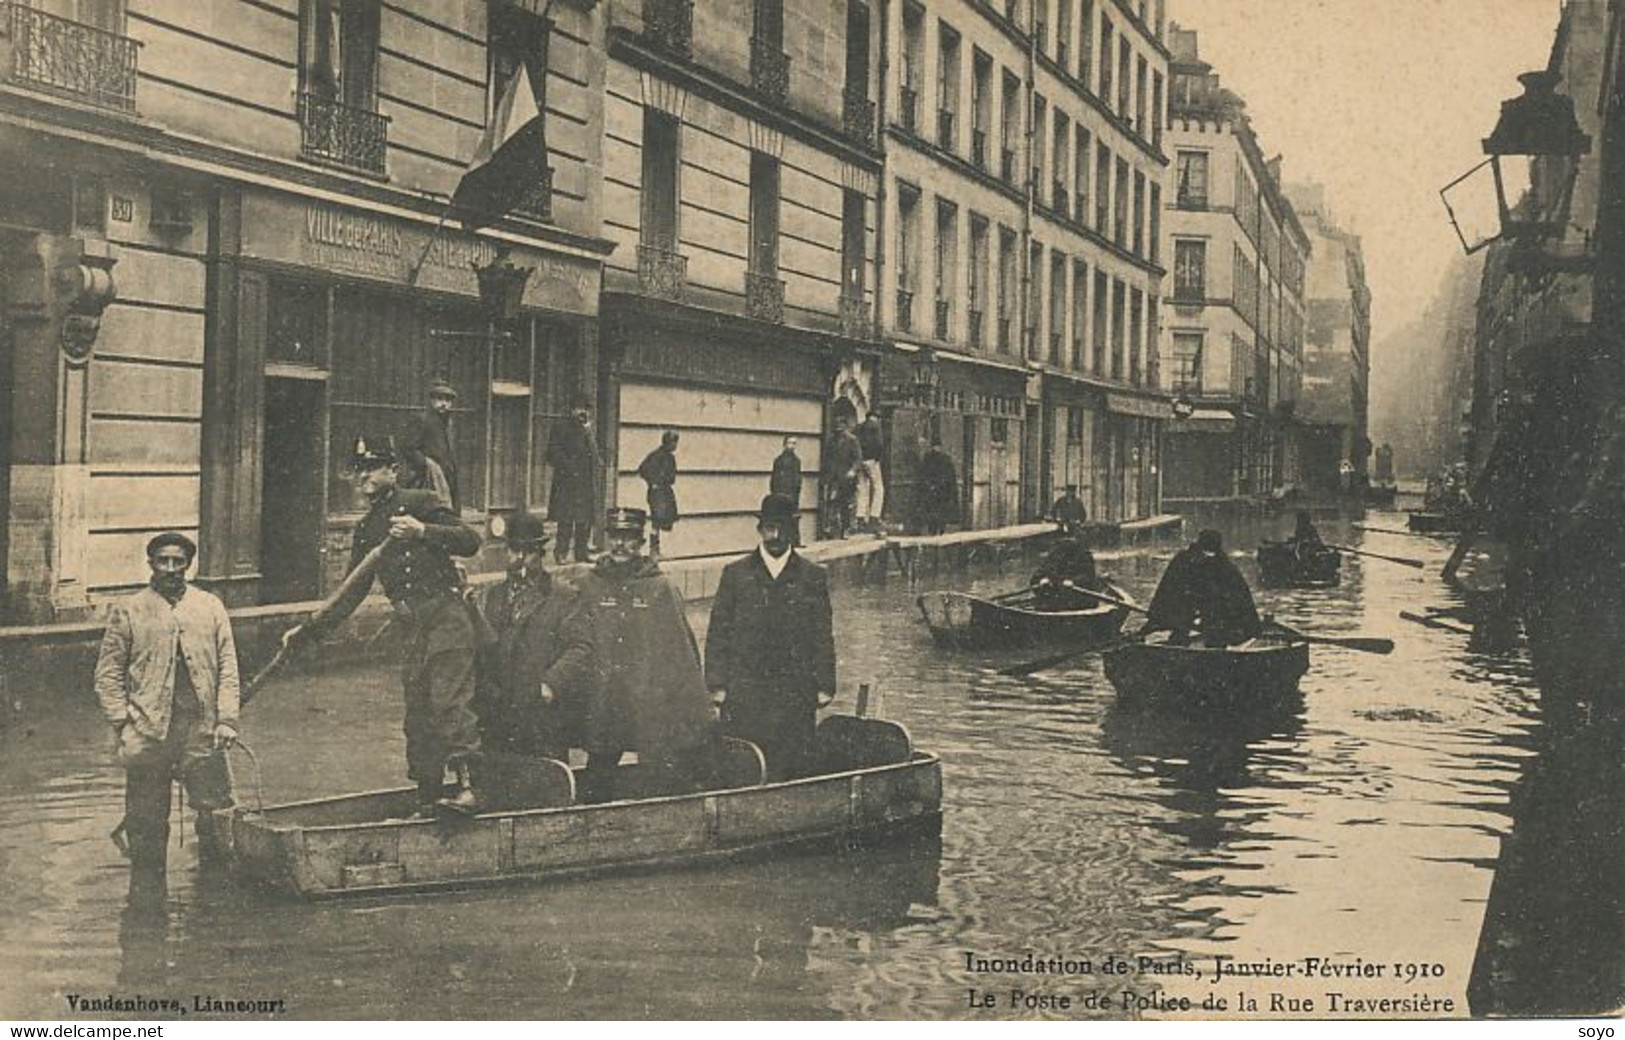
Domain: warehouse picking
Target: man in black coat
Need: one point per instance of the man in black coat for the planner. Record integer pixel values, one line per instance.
(939, 488)
(786, 481)
(659, 472)
(1067, 568)
(572, 500)
(770, 650)
(431, 436)
(534, 665)
(1203, 592)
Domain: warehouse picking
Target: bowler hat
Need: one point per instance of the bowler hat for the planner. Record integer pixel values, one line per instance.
(624, 519)
(168, 538)
(441, 388)
(777, 509)
(372, 452)
(522, 531)
(1210, 541)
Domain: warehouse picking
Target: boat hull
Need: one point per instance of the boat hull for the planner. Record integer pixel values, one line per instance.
(362, 845)
(1279, 566)
(1255, 676)
(962, 621)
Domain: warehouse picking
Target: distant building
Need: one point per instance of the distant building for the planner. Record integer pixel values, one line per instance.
(1233, 334)
(1333, 410)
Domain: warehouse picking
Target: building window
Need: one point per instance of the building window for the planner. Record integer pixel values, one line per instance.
(1190, 270)
(1080, 313)
(1155, 210)
(908, 247)
(1136, 337)
(297, 312)
(977, 311)
(1099, 330)
(1125, 68)
(1191, 180)
(764, 214)
(1038, 140)
(1010, 128)
(1057, 309)
(1119, 327)
(854, 240)
(913, 67)
(1141, 73)
(1156, 111)
(661, 162)
(981, 107)
(1139, 213)
(947, 263)
(1120, 204)
(1080, 177)
(1106, 58)
(1086, 41)
(1060, 163)
(1035, 300)
(947, 86)
(1103, 185)
(518, 44)
(338, 84)
(1007, 287)
(1063, 35)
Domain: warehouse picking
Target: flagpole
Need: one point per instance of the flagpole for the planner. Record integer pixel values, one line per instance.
(434, 235)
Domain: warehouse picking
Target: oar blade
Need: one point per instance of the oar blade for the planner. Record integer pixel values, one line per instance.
(1368, 644)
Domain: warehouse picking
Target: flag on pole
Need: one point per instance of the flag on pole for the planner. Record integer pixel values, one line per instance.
(511, 160)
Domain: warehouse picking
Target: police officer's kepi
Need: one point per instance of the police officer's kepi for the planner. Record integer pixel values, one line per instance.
(372, 452)
(626, 520)
(520, 530)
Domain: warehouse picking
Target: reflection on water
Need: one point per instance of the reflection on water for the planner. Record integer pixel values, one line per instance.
(1364, 821)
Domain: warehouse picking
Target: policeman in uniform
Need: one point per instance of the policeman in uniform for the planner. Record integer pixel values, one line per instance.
(534, 664)
(420, 534)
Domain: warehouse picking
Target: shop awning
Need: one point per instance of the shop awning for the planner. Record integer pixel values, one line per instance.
(1204, 420)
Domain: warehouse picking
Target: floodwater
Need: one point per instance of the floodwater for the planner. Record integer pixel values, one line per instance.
(1365, 829)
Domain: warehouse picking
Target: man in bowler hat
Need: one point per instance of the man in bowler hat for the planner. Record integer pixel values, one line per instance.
(770, 649)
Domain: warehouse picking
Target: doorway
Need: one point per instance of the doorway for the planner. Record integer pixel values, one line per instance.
(292, 506)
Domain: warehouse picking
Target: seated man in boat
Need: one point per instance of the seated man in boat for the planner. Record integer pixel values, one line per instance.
(1068, 510)
(1067, 569)
(1305, 540)
(532, 664)
(1202, 593)
(648, 691)
(770, 649)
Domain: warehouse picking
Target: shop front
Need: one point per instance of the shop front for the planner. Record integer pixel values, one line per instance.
(328, 323)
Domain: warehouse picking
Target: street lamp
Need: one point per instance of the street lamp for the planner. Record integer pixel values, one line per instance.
(926, 376)
(502, 286)
(1522, 191)
(1184, 407)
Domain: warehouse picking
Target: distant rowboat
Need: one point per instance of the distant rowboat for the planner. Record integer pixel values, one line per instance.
(1260, 673)
(957, 619)
(1280, 564)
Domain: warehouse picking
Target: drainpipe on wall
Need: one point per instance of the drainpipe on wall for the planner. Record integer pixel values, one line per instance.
(1027, 273)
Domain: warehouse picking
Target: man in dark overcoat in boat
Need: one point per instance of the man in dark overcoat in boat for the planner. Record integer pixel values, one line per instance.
(770, 649)
(1067, 569)
(534, 665)
(648, 691)
(1203, 593)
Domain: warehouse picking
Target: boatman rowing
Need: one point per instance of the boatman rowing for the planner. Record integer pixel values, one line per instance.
(1203, 594)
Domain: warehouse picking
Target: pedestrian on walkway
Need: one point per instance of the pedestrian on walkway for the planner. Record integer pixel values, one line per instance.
(786, 481)
(572, 501)
(843, 458)
(166, 678)
(770, 648)
(417, 535)
(430, 435)
(938, 489)
(659, 473)
(648, 694)
(871, 483)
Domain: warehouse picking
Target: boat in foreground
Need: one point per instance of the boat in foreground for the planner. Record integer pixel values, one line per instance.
(1258, 674)
(871, 786)
(960, 620)
(1280, 565)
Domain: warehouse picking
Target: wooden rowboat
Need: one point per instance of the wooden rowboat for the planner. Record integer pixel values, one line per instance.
(1280, 565)
(871, 786)
(960, 620)
(1258, 674)
(1431, 522)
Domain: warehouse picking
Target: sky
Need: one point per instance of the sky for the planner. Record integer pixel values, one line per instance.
(1382, 101)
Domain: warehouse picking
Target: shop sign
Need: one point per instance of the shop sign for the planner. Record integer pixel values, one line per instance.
(1143, 407)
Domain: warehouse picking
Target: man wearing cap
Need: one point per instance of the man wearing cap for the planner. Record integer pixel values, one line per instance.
(770, 648)
(533, 665)
(166, 678)
(659, 473)
(1203, 592)
(430, 436)
(572, 500)
(648, 693)
(418, 535)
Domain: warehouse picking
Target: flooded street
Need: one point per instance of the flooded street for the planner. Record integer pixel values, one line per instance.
(1366, 826)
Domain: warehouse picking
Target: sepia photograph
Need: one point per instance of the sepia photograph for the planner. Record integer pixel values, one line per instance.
(808, 510)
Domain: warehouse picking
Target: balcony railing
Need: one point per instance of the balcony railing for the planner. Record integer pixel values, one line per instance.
(769, 69)
(905, 311)
(71, 59)
(538, 202)
(978, 148)
(909, 109)
(1007, 165)
(1190, 200)
(974, 328)
(662, 272)
(858, 117)
(945, 129)
(669, 25)
(336, 134)
(940, 326)
(856, 322)
(764, 296)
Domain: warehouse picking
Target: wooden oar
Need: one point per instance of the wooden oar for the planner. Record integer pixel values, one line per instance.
(1435, 622)
(1364, 644)
(1403, 560)
(1407, 534)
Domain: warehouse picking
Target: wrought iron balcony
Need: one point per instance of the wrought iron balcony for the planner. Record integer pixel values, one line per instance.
(71, 59)
(662, 272)
(905, 311)
(974, 329)
(908, 113)
(945, 129)
(337, 134)
(764, 296)
(1007, 165)
(669, 25)
(940, 327)
(769, 69)
(858, 116)
(538, 202)
(855, 320)
(978, 148)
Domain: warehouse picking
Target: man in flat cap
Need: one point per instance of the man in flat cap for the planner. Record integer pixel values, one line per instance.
(649, 692)
(166, 678)
(428, 444)
(770, 649)
(534, 665)
(417, 535)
